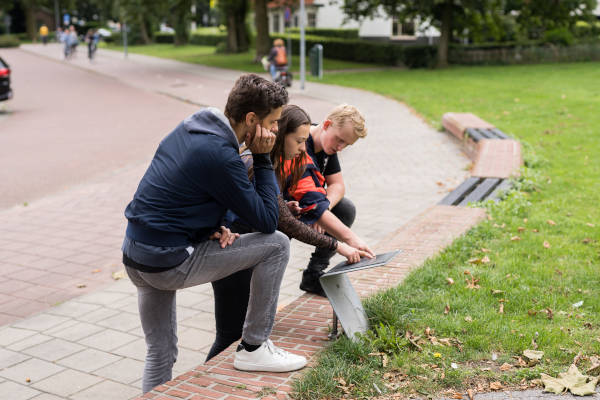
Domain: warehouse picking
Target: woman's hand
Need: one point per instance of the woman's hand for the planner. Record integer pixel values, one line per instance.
(352, 255)
(225, 237)
(294, 207)
(359, 244)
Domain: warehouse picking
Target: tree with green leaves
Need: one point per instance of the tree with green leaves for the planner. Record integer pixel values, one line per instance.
(442, 14)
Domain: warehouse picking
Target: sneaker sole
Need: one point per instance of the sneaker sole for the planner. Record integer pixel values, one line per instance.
(243, 366)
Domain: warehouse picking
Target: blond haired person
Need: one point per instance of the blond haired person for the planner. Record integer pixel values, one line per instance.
(343, 127)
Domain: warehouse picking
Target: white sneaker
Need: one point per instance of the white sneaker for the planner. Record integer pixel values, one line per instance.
(267, 357)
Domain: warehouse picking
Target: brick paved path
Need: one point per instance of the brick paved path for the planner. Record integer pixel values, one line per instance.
(92, 346)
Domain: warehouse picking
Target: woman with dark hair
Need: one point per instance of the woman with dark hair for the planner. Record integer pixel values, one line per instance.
(231, 294)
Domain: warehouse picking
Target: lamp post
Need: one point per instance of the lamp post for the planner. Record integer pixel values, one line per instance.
(302, 45)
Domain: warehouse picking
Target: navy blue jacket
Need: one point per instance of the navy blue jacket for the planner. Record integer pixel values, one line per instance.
(195, 176)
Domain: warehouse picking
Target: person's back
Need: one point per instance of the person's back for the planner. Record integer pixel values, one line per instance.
(44, 33)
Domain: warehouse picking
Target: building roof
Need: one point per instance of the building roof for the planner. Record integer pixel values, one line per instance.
(288, 3)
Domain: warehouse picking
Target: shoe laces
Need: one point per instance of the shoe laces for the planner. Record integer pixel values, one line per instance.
(276, 350)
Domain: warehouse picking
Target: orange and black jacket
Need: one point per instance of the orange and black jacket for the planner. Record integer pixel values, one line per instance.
(309, 192)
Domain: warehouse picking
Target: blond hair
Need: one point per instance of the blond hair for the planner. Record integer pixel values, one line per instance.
(345, 113)
(278, 42)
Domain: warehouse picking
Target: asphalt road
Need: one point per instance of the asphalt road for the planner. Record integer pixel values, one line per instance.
(66, 125)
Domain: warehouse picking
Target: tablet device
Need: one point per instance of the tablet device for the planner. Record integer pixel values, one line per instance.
(364, 263)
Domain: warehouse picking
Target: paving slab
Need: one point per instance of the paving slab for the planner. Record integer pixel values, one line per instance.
(67, 382)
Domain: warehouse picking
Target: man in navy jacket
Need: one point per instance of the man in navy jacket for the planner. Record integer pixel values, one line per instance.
(174, 236)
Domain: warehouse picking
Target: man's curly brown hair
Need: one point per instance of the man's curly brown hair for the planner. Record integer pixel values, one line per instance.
(251, 93)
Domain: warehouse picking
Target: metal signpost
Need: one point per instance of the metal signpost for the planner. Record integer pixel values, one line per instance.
(124, 31)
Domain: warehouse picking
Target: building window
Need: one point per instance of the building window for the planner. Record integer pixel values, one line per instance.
(275, 27)
(312, 20)
(403, 27)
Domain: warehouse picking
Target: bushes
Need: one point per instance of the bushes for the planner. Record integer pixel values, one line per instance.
(9, 41)
(560, 36)
(327, 32)
(420, 56)
(200, 39)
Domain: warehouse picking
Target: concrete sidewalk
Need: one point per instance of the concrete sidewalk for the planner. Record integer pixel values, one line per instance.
(92, 346)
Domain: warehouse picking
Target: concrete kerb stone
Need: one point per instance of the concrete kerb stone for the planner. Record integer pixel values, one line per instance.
(491, 158)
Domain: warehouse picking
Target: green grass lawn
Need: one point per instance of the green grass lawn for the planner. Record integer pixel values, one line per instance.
(206, 55)
(554, 111)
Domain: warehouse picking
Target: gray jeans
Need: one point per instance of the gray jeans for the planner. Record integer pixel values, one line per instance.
(267, 254)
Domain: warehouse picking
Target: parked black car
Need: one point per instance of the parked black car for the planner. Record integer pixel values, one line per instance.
(5, 91)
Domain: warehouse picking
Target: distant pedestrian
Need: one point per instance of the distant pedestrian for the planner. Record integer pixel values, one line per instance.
(91, 38)
(44, 33)
(277, 58)
(71, 42)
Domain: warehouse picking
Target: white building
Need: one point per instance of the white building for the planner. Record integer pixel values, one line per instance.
(329, 14)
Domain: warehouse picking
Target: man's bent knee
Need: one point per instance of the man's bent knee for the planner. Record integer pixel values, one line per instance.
(345, 211)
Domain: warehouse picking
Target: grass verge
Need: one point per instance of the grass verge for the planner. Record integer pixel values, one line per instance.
(206, 55)
(531, 264)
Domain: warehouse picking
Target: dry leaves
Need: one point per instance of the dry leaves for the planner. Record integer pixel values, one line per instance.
(515, 238)
(81, 285)
(532, 357)
(546, 244)
(447, 309)
(118, 275)
(572, 380)
(95, 271)
(550, 222)
(471, 281)
(521, 229)
(505, 367)
(501, 309)
(450, 281)
(496, 385)
(495, 291)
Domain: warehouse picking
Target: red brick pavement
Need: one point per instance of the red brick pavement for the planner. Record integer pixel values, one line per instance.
(302, 326)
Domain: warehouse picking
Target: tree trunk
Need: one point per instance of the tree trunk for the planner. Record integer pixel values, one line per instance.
(29, 8)
(232, 36)
(445, 34)
(143, 30)
(182, 16)
(261, 22)
(237, 34)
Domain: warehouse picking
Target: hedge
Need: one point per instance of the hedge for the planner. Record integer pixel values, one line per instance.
(327, 32)
(196, 38)
(9, 41)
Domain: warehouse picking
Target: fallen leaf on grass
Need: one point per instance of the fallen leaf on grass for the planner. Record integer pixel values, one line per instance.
(550, 222)
(118, 275)
(505, 367)
(485, 260)
(533, 356)
(590, 225)
(447, 309)
(470, 393)
(515, 238)
(496, 291)
(546, 244)
(501, 309)
(595, 366)
(450, 281)
(495, 385)
(521, 228)
(534, 230)
(586, 241)
(468, 318)
(484, 250)
(572, 380)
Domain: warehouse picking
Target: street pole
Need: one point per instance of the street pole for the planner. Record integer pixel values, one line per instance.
(302, 46)
(56, 17)
(124, 29)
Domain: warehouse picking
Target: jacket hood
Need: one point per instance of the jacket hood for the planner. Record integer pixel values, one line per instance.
(211, 121)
